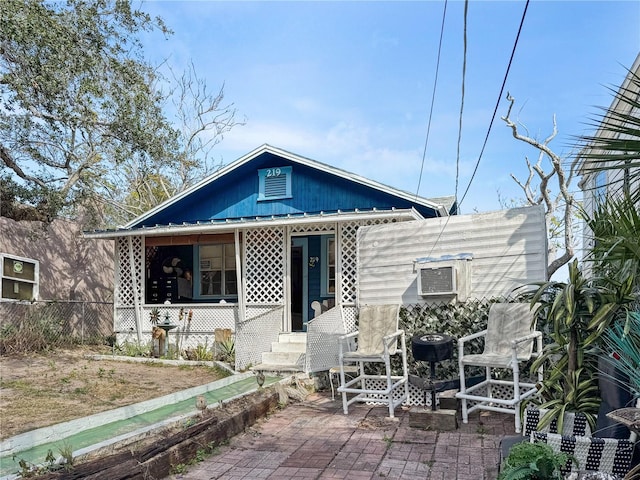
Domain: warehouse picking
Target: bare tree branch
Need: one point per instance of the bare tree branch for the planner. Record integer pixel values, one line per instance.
(544, 195)
(10, 162)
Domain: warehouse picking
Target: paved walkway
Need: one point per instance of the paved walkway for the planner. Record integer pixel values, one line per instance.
(315, 440)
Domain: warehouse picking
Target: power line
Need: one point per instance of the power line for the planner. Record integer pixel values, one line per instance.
(433, 96)
(464, 73)
(464, 70)
(495, 110)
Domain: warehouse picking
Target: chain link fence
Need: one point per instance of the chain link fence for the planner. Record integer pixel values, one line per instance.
(40, 326)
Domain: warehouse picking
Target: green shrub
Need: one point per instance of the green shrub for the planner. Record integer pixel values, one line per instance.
(226, 351)
(41, 329)
(200, 352)
(133, 349)
(533, 461)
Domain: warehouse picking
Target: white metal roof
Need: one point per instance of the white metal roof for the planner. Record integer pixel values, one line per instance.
(220, 226)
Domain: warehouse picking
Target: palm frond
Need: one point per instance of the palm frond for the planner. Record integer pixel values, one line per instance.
(622, 344)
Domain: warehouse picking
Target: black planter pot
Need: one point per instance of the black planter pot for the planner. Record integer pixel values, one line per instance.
(615, 393)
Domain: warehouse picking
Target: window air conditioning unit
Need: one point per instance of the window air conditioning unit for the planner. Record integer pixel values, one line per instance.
(447, 276)
(433, 280)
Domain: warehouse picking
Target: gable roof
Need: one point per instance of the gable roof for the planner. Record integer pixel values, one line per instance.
(442, 207)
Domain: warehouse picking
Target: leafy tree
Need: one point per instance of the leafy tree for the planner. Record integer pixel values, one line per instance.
(82, 119)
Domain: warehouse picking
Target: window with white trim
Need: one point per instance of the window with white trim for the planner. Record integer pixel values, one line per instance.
(19, 278)
(274, 183)
(217, 270)
(328, 273)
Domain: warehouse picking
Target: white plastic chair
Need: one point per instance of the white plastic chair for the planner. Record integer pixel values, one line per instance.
(508, 341)
(377, 338)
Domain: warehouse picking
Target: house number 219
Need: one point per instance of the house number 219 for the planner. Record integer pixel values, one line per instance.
(273, 172)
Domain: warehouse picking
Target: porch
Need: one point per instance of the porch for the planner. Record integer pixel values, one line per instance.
(269, 277)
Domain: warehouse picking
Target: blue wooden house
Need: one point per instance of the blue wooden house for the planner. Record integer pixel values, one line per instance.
(252, 248)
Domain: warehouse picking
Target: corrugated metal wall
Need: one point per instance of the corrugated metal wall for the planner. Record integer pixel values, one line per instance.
(509, 249)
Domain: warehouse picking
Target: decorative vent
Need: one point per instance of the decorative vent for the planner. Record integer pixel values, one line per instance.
(274, 183)
(437, 280)
(275, 186)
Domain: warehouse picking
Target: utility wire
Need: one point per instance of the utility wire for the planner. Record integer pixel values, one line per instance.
(433, 96)
(495, 110)
(464, 70)
(464, 73)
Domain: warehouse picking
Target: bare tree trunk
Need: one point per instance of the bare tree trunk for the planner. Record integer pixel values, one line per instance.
(559, 209)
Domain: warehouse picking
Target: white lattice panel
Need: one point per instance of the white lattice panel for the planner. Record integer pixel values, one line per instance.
(264, 265)
(124, 290)
(131, 337)
(419, 398)
(416, 395)
(253, 311)
(128, 279)
(381, 384)
(349, 317)
(188, 340)
(256, 334)
(348, 258)
(204, 318)
(323, 333)
(314, 228)
(503, 392)
(125, 320)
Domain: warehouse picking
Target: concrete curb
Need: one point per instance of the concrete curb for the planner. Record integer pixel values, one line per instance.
(63, 430)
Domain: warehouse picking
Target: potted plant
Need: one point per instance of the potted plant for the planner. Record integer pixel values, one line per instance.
(578, 313)
(622, 342)
(533, 461)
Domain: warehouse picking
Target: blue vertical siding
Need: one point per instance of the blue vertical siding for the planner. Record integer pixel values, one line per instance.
(235, 195)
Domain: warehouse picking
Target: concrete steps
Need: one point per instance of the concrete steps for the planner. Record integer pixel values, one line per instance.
(286, 355)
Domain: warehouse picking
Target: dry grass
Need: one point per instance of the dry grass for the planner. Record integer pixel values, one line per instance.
(42, 390)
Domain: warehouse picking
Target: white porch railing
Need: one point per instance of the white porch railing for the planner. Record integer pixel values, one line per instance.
(323, 333)
(256, 334)
(191, 331)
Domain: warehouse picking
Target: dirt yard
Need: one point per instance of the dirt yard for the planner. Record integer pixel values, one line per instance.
(41, 390)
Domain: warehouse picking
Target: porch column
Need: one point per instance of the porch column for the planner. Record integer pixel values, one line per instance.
(338, 254)
(136, 303)
(239, 273)
(286, 318)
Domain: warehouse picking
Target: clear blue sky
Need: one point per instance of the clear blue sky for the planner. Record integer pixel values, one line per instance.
(350, 83)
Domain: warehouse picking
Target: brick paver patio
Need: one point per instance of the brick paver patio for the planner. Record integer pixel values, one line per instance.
(315, 440)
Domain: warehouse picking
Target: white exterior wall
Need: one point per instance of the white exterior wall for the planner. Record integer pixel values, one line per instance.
(615, 180)
(509, 249)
